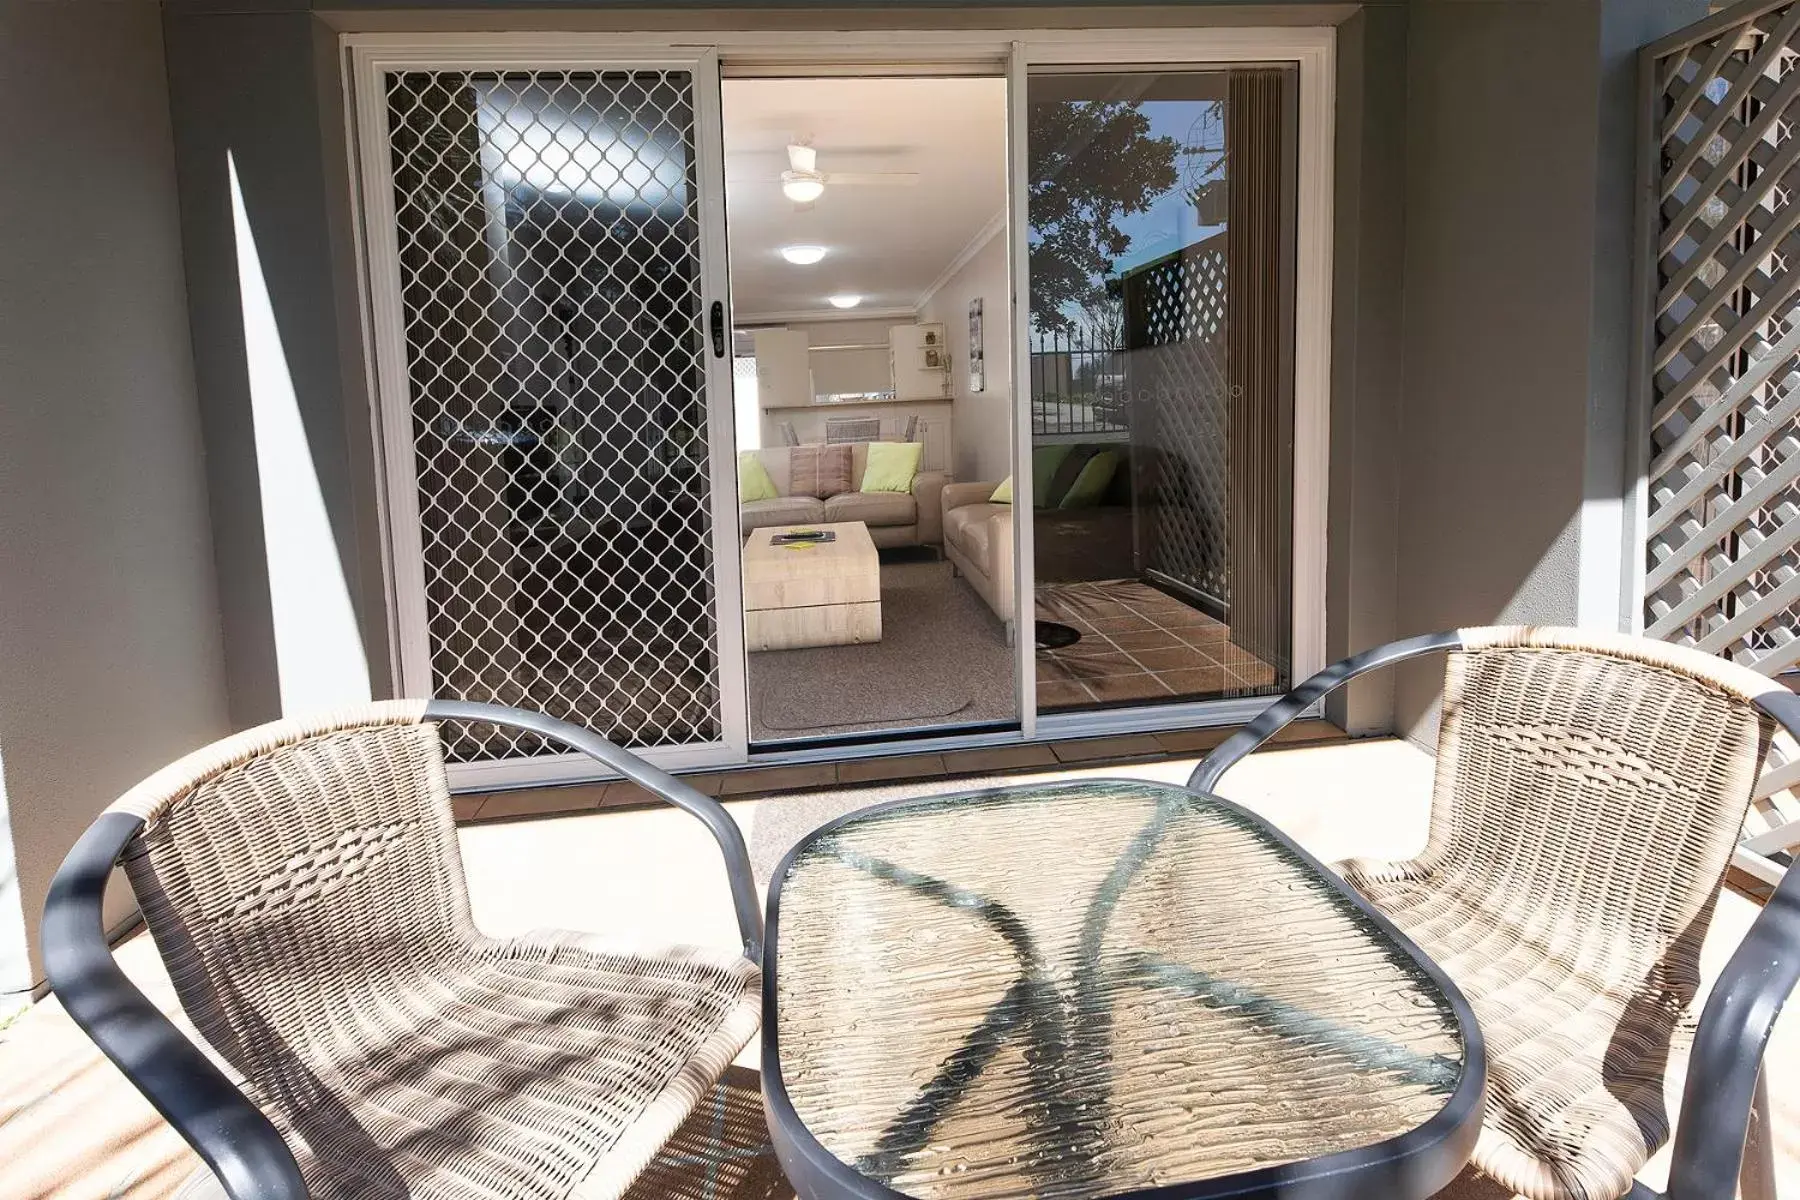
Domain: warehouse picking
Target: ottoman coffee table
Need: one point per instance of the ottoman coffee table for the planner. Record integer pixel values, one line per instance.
(811, 594)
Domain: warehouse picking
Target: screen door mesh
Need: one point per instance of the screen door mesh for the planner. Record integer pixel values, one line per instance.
(549, 238)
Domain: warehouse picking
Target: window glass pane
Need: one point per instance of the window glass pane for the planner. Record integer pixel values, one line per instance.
(1161, 323)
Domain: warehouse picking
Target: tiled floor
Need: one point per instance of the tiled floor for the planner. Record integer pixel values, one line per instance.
(72, 1129)
(1139, 644)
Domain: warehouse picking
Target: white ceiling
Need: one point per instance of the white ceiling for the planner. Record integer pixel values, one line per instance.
(887, 243)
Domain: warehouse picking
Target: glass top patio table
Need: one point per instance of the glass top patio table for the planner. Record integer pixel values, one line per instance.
(1103, 988)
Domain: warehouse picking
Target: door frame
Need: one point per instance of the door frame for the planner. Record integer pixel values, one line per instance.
(368, 58)
(1007, 51)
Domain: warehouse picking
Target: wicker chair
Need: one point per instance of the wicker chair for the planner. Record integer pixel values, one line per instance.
(303, 884)
(1589, 793)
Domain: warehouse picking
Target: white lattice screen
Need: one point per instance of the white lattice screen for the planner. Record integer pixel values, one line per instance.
(548, 227)
(1175, 371)
(1722, 569)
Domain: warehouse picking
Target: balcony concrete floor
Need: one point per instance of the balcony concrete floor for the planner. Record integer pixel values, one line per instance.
(70, 1127)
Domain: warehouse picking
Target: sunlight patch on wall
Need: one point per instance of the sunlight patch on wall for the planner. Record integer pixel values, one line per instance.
(15, 962)
(318, 648)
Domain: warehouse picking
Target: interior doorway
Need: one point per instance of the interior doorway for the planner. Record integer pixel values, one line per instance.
(871, 289)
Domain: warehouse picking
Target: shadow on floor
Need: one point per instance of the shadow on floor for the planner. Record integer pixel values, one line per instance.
(723, 1153)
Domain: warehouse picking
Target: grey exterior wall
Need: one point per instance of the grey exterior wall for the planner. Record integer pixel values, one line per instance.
(110, 661)
(1482, 229)
(262, 80)
(260, 90)
(1519, 209)
(1369, 211)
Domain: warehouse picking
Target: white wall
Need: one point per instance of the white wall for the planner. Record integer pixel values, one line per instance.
(110, 655)
(983, 420)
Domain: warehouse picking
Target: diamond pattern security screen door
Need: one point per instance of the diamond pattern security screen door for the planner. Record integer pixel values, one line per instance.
(551, 398)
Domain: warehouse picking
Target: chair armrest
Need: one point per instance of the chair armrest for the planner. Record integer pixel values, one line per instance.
(230, 1134)
(1273, 719)
(710, 812)
(927, 489)
(955, 495)
(1734, 1029)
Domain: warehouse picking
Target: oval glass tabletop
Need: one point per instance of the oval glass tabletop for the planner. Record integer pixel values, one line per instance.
(1096, 989)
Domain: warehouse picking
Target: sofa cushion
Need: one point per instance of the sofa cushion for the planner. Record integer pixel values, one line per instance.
(775, 461)
(821, 471)
(783, 510)
(873, 508)
(754, 482)
(891, 467)
(1096, 476)
(968, 527)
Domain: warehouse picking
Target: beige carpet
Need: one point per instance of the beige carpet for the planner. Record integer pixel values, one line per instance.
(942, 660)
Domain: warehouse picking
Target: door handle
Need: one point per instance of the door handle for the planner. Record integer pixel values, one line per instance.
(718, 328)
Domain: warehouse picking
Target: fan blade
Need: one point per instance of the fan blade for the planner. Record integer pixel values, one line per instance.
(874, 178)
(803, 158)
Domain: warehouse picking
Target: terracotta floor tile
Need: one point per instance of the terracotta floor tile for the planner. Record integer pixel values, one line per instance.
(1146, 639)
(1100, 666)
(1135, 745)
(1201, 681)
(1118, 688)
(1181, 658)
(1193, 741)
(900, 766)
(998, 758)
(1057, 693)
(1122, 621)
(537, 802)
(779, 779)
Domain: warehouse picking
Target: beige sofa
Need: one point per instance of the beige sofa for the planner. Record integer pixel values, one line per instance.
(912, 518)
(978, 540)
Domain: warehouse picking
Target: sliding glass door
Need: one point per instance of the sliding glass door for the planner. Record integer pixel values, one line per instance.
(547, 287)
(1160, 282)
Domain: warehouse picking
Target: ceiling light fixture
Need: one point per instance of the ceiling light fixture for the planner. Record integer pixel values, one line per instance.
(803, 256)
(802, 189)
(846, 301)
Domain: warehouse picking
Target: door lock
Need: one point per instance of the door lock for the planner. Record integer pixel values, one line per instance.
(718, 328)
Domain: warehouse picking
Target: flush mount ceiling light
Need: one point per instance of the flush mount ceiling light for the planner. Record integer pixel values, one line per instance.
(803, 189)
(803, 256)
(845, 301)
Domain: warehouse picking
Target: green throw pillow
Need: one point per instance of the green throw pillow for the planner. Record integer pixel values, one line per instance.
(1096, 476)
(753, 479)
(1044, 461)
(891, 466)
(1003, 493)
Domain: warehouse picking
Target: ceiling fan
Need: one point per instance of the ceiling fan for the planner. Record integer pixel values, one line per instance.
(803, 182)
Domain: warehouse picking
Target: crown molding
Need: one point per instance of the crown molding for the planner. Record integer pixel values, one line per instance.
(994, 228)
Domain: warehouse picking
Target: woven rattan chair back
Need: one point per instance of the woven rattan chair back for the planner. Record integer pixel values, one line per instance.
(303, 884)
(1560, 767)
(1589, 793)
(298, 879)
